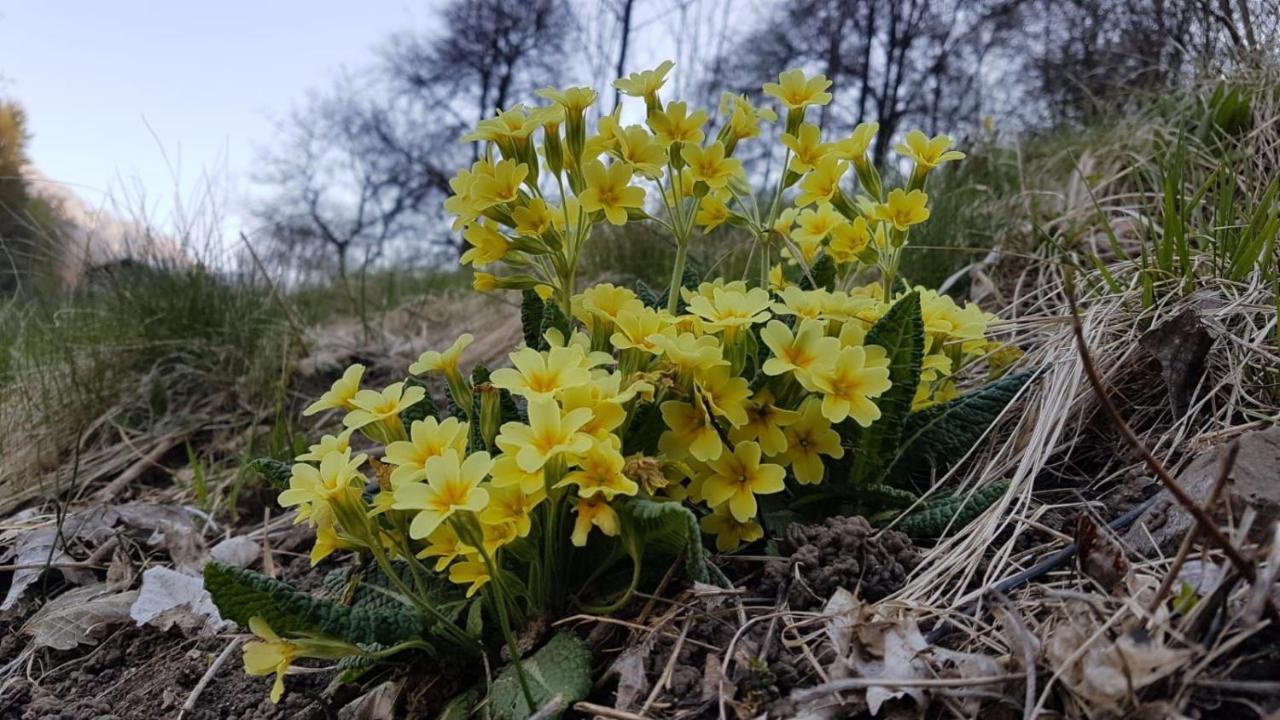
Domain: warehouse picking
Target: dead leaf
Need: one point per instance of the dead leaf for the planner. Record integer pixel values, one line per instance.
(633, 681)
(121, 573)
(169, 598)
(1107, 672)
(1099, 555)
(1181, 346)
(240, 551)
(78, 616)
(378, 703)
(44, 545)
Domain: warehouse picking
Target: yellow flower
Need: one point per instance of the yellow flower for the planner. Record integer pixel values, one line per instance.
(687, 352)
(445, 545)
(903, 209)
(712, 212)
(327, 542)
(512, 505)
(452, 485)
(609, 190)
(691, 432)
(729, 531)
(926, 152)
(516, 123)
(470, 572)
(445, 362)
(314, 489)
(637, 147)
(744, 118)
(604, 301)
(484, 282)
(854, 148)
(487, 244)
(372, 406)
(574, 100)
(506, 472)
(533, 218)
(340, 394)
(731, 309)
(796, 91)
(548, 434)
(858, 374)
(607, 414)
(710, 166)
(848, 239)
(594, 511)
(329, 443)
(726, 394)
(777, 281)
(737, 477)
(808, 147)
(268, 655)
(765, 423)
(502, 186)
(801, 352)
(542, 374)
(646, 83)
(600, 473)
(802, 303)
(813, 225)
(636, 328)
(677, 125)
(807, 440)
(785, 220)
(427, 439)
(822, 183)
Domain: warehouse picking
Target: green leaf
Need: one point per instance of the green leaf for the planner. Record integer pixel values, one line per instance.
(823, 273)
(667, 527)
(462, 705)
(421, 410)
(276, 472)
(647, 295)
(901, 333)
(646, 427)
(951, 513)
(552, 317)
(938, 436)
(531, 307)
(242, 594)
(561, 668)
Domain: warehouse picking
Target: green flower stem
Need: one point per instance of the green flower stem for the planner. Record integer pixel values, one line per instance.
(463, 640)
(677, 277)
(498, 605)
(621, 601)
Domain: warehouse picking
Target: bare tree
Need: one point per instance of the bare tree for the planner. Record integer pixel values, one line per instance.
(366, 164)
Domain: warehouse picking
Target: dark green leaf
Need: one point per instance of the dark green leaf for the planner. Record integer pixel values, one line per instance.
(823, 273)
(422, 409)
(242, 594)
(938, 436)
(901, 333)
(951, 513)
(663, 527)
(276, 472)
(531, 307)
(562, 668)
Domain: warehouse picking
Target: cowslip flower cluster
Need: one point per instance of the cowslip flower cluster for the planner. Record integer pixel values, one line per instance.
(715, 395)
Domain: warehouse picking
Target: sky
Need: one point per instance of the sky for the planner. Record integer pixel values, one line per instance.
(145, 99)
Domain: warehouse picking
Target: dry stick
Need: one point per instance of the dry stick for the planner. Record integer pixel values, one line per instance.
(842, 684)
(134, 471)
(1028, 652)
(669, 668)
(1193, 533)
(218, 662)
(606, 712)
(1202, 518)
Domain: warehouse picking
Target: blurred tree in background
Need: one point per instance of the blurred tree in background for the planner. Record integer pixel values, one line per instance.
(366, 163)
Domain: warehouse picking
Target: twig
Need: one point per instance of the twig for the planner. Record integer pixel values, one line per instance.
(1193, 533)
(553, 708)
(217, 664)
(587, 708)
(669, 668)
(1028, 652)
(1202, 518)
(842, 684)
(134, 471)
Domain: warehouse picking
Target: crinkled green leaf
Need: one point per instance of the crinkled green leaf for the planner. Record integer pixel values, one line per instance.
(647, 295)
(901, 333)
(552, 317)
(421, 410)
(937, 436)
(275, 472)
(242, 594)
(531, 307)
(951, 513)
(823, 273)
(666, 527)
(561, 668)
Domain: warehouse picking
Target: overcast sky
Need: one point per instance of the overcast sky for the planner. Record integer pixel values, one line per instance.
(117, 92)
(134, 99)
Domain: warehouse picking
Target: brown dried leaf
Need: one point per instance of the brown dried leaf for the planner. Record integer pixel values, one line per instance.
(1098, 554)
(78, 616)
